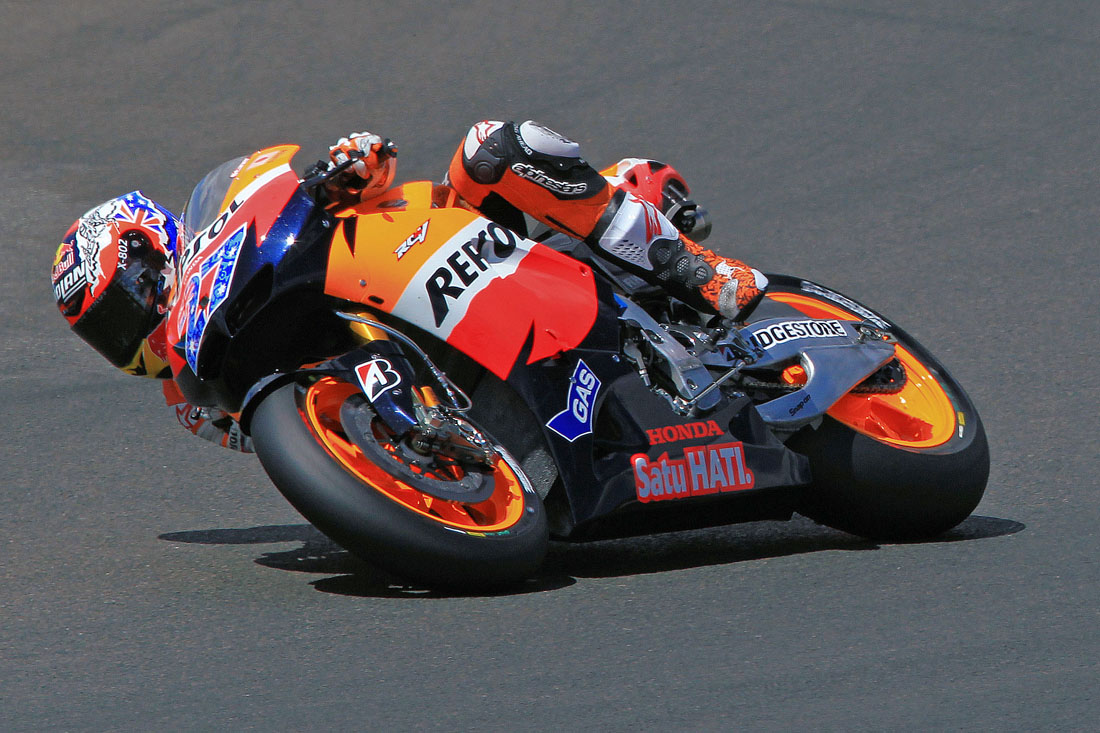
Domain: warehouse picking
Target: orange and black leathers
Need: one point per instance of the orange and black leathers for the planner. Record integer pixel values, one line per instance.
(503, 175)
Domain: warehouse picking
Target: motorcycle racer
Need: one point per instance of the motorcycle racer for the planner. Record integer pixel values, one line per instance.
(114, 280)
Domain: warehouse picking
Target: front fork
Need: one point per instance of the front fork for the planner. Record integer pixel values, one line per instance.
(387, 379)
(384, 371)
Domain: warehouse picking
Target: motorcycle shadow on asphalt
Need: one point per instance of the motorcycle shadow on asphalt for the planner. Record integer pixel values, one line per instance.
(566, 562)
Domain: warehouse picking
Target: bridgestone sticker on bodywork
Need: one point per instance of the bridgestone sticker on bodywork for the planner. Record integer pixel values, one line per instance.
(778, 333)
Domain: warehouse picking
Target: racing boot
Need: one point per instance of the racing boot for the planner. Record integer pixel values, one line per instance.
(635, 234)
(723, 284)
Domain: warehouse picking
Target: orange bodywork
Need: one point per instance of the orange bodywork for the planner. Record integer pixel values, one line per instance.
(364, 257)
(920, 415)
(416, 253)
(257, 164)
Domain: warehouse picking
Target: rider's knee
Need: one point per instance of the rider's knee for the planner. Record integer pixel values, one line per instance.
(484, 154)
(534, 168)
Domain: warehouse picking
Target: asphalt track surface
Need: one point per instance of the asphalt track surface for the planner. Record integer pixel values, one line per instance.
(937, 160)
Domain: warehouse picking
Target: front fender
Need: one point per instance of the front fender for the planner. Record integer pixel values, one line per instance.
(380, 370)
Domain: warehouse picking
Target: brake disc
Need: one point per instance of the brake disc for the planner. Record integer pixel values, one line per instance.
(429, 473)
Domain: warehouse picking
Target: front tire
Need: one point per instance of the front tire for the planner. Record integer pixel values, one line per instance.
(372, 508)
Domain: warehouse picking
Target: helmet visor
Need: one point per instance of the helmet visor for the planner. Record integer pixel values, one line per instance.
(122, 317)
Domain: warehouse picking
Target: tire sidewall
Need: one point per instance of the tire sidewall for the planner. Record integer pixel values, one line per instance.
(885, 491)
(379, 529)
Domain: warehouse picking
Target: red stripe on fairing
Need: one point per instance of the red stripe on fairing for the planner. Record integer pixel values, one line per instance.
(551, 294)
(268, 203)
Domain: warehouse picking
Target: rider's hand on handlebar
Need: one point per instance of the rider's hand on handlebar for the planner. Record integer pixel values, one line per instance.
(372, 149)
(370, 174)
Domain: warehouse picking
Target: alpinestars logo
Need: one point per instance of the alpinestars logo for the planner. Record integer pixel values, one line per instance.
(652, 218)
(576, 419)
(485, 128)
(533, 174)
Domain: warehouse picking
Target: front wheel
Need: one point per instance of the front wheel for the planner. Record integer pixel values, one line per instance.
(897, 465)
(429, 518)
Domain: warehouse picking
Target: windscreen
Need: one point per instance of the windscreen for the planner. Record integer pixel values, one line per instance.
(206, 200)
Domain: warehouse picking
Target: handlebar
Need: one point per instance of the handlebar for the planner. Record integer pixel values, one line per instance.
(318, 179)
(388, 150)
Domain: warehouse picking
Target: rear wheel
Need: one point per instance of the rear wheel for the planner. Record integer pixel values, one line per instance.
(424, 515)
(898, 465)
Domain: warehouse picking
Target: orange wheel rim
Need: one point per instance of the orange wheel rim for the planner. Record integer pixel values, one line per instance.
(321, 413)
(920, 415)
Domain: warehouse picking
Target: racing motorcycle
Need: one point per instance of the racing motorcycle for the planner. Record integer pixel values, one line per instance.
(440, 394)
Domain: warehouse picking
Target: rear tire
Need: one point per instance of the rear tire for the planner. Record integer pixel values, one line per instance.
(883, 492)
(368, 509)
(883, 467)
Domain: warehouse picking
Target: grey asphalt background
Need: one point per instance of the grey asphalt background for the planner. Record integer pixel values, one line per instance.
(937, 160)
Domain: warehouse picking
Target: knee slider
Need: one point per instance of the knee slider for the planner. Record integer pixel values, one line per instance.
(551, 161)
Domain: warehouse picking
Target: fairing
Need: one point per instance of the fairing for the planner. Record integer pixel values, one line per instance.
(260, 214)
(265, 268)
(651, 464)
(470, 282)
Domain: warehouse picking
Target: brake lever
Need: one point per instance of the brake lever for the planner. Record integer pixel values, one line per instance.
(388, 149)
(317, 180)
